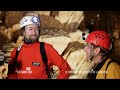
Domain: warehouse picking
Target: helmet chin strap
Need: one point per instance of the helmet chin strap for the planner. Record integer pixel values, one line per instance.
(91, 53)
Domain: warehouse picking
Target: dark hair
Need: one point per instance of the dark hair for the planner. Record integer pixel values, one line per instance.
(102, 50)
(22, 29)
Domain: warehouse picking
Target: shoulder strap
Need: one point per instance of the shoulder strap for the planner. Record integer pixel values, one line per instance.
(17, 52)
(14, 65)
(107, 66)
(44, 57)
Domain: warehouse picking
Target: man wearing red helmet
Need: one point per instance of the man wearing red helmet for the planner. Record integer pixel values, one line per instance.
(98, 46)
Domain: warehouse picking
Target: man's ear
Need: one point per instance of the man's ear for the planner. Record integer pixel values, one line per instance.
(96, 51)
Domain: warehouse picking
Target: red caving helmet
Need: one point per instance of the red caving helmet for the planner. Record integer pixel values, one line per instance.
(99, 38)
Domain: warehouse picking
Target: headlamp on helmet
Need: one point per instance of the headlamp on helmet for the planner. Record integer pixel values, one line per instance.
(29, 20)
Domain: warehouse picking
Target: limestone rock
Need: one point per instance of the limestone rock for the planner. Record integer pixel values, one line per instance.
(13, 17)
(70, 19)
(60, 43)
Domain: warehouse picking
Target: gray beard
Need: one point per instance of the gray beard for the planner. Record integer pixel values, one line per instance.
(29, 41)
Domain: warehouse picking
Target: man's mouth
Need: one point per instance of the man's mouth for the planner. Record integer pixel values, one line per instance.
(32, 36)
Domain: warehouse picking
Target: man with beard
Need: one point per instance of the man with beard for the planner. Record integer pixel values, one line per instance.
(29, 63)
(99, 45)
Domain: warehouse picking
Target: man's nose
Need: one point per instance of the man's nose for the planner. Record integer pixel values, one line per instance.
(33, 31)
